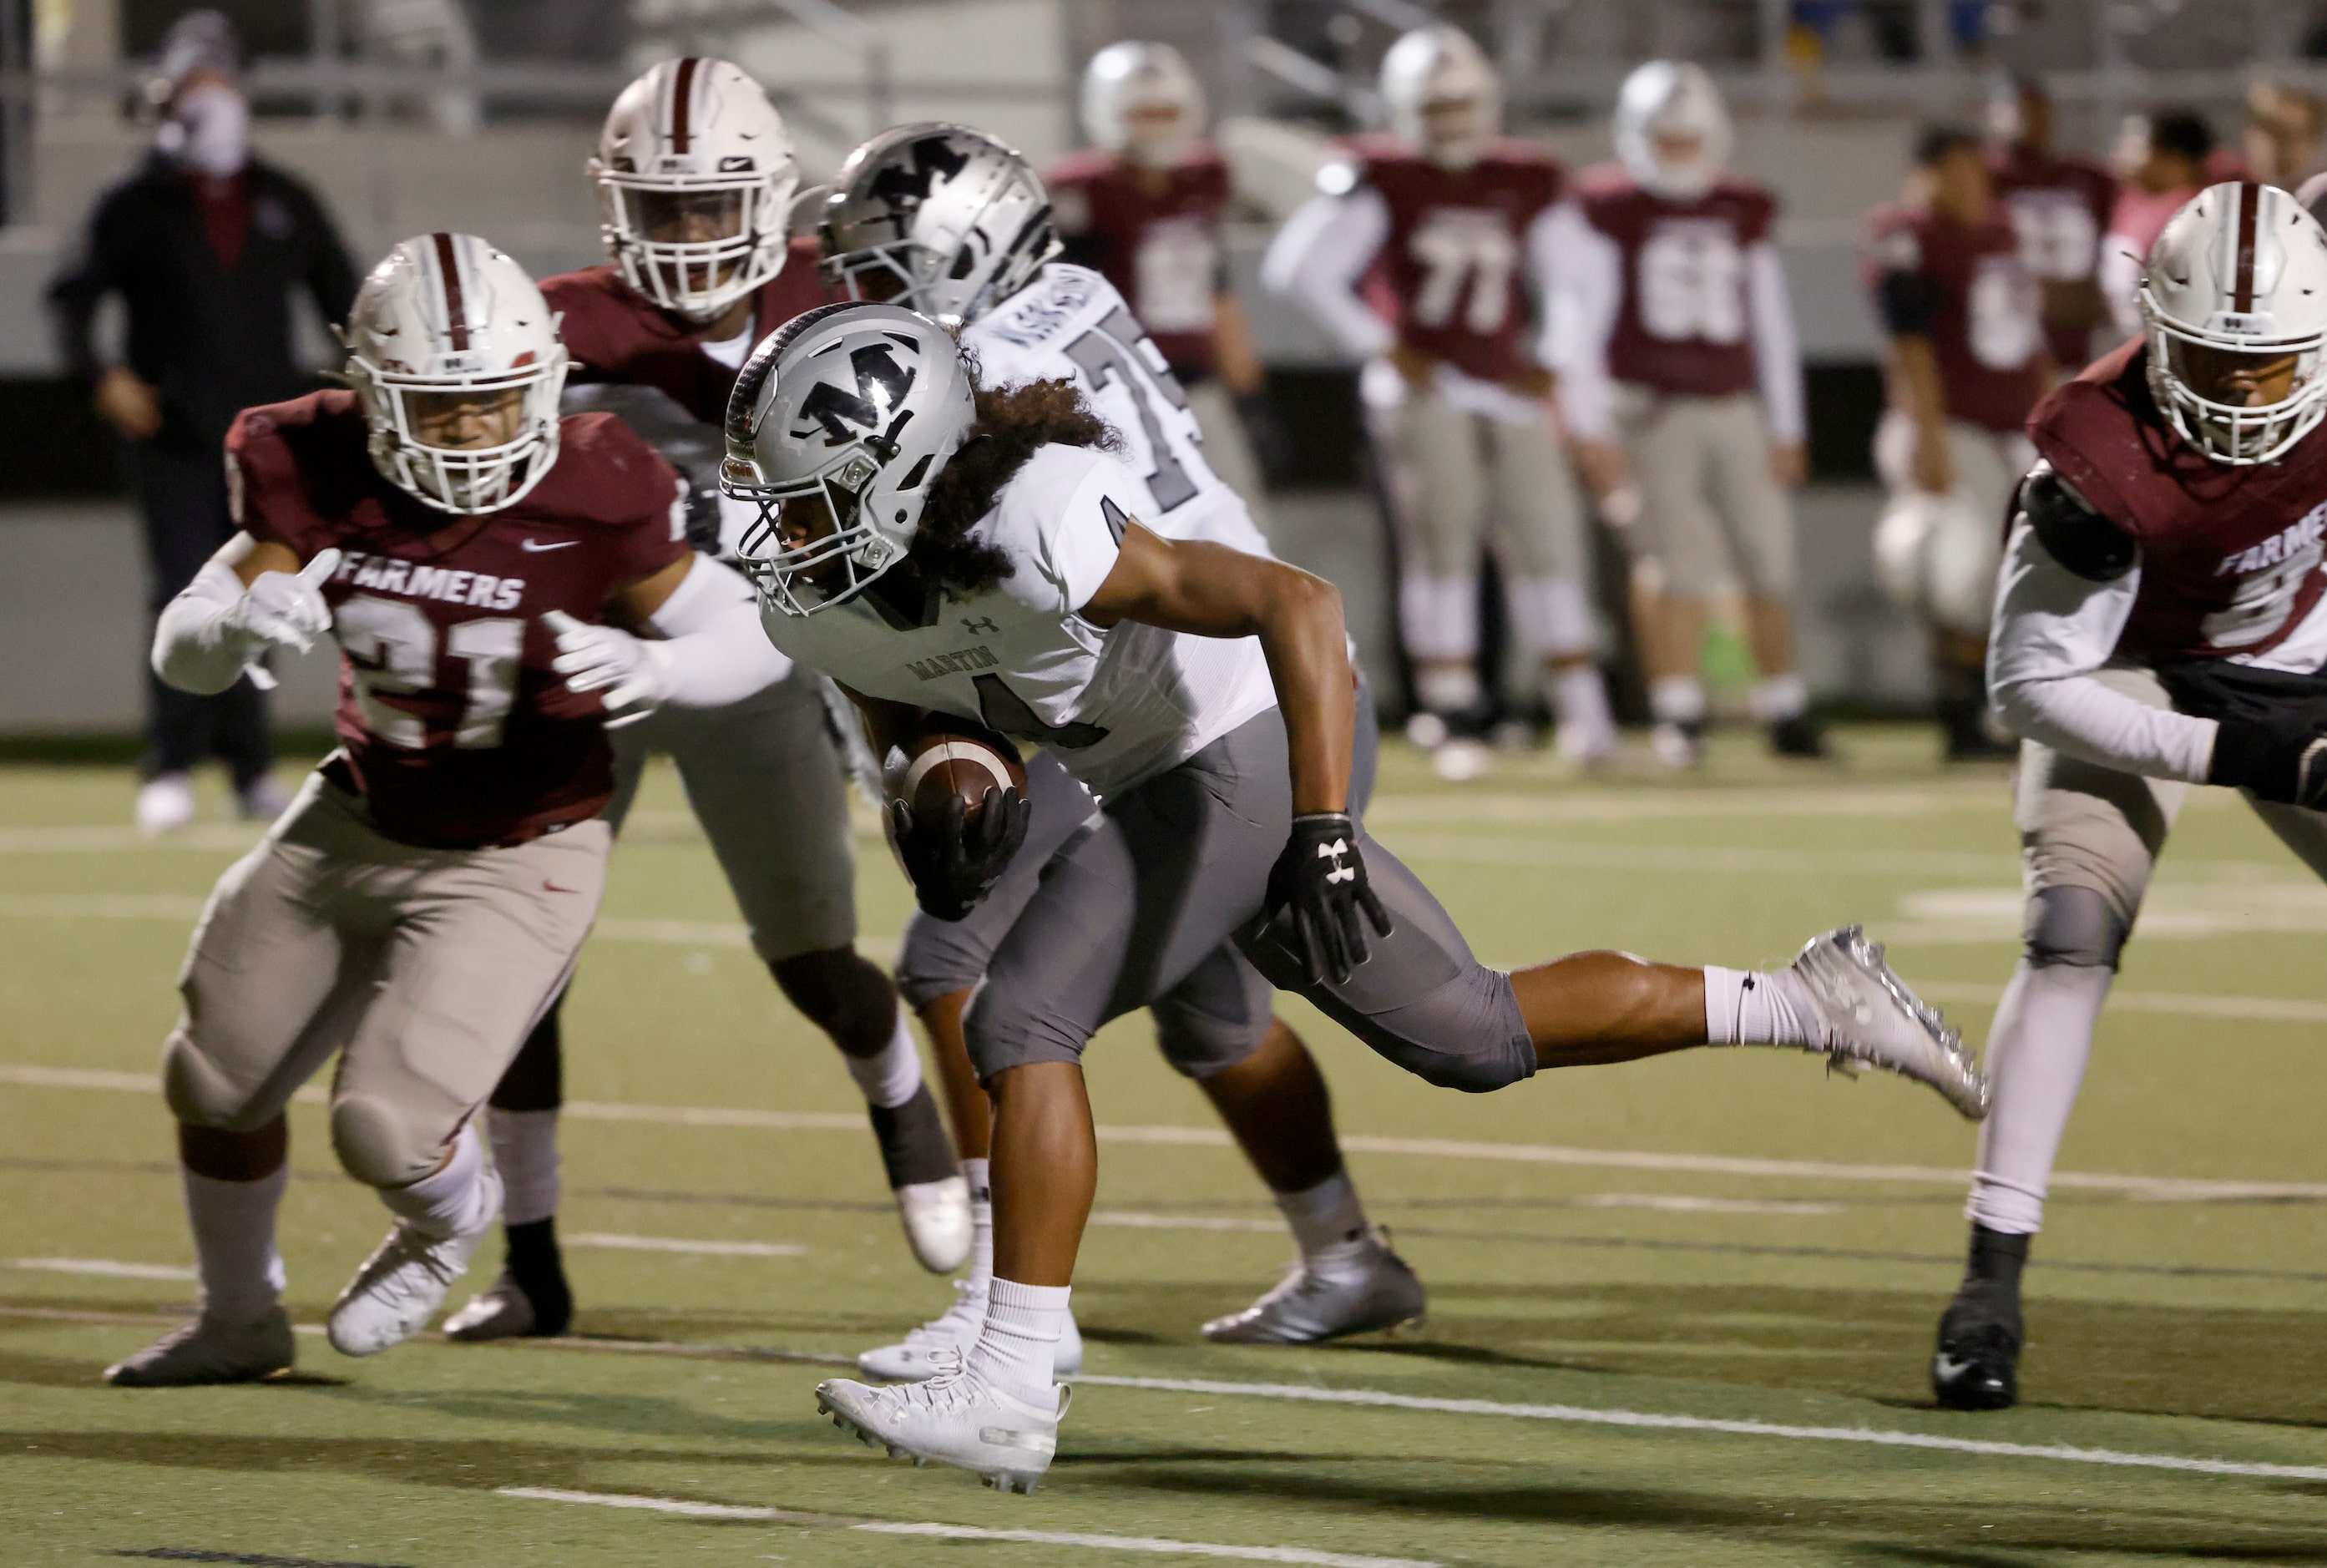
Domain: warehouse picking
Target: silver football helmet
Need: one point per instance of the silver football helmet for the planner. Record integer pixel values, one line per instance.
(1670, 102)
(1445, 100)
(940, 218)
(2238, 274)
(1142, 102)
(859, 405)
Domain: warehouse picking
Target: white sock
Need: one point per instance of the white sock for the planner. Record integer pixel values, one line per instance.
(1778, 697)
(1439, 617)
(1550, 617)
(892, 1075)
(1328, 1224)
(978, 1174)
(1756, 1007)
(2037, 1056)
(525, 1151)
(1446, 688)
(1579, 704)
(233, 1223)
(1017, 1350)
(1676, 699)
(454, 1201)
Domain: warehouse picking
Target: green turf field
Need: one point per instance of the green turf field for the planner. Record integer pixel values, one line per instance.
(1731, 1240)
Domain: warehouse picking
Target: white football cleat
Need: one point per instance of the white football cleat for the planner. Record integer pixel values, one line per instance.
(937, 1222)
(1305, 1308)
(206, 1351)
(1869, 1016)
(956, 1419)
(399, 1288)
(501, 1311)
(166, 803)
(940, 1343)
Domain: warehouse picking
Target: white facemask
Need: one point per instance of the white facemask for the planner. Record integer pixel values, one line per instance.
(208, 132)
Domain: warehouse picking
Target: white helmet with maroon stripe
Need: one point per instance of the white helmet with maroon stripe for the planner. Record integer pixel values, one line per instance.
(1141, 101)
(1444, 98)
(457, 361)
(694, 171)
(2237, 286)
(1666, 104)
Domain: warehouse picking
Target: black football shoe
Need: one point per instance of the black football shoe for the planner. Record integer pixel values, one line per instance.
(1977, 1366)
(531, 1298)
(1799, 736)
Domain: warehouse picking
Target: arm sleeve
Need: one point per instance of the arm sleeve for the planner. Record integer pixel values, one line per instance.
(1583, 274)
(75, 293)
(1318, 258)
(1777, 349)
(714, 652)
(2053, 631)
(194, 649)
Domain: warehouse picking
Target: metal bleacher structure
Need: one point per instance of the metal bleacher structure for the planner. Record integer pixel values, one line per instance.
(418, 114)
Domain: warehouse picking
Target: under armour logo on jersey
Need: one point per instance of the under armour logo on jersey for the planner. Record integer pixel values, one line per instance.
(898, 186)
(880, 385)
(983, 626)
(1342, 870)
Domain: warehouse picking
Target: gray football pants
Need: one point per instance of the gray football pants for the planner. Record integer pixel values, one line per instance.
(1132, 911)
(1225, 1014)
(422, 968)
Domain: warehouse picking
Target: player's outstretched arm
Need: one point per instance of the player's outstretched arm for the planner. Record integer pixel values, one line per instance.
(251, 597)
(1211, 591)
(701, 648)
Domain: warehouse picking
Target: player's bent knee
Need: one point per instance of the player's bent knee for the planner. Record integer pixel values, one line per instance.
(1198, 1053)
(2073, 928)
(201, 1094)
(1001, 1035)
(382, 1147)
(933, 961)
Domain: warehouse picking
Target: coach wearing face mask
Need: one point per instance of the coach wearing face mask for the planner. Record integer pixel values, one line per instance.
(203, 243)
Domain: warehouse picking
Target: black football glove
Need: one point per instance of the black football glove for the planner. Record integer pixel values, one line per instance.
(1321, 879)
(2273, 739)
(954, 864)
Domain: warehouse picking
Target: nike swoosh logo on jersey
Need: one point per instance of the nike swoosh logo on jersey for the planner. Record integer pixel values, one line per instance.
(536, 547)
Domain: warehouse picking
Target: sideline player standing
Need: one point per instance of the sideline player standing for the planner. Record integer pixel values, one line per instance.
(2059, 207)
(941, 549)
(695, 174)
(1457, 218)
(953, 222)
(423, 897)
(2161, 623)
(1670, 314)
(1143, 209)
(1967, 363)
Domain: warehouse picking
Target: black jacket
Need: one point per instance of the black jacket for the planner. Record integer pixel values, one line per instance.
(211, 342)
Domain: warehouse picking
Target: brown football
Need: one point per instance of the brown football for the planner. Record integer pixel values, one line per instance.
(952, 757)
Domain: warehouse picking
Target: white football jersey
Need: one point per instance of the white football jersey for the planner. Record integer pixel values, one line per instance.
(1117, 708)
(1069, 324)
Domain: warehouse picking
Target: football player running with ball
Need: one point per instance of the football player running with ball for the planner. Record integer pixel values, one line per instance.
(695, 174)
(956, 225)
(1458, 221)
(2159, 623)
(941, 549)
(422, 899)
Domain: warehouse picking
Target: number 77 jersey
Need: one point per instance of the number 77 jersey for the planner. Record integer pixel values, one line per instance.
(1070, 324)
(452, 727)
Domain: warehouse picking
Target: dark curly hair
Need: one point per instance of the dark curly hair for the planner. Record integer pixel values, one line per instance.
(1012, 422)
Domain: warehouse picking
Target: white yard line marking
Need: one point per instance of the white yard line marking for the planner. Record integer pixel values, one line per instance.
(2259, 1009)
(2165, 1188)
(109, 1267)
(1655, 1420)
(1132, 1220)
(1686, 1203)
(209, 839)
(1153, 1545)
(614, 1243)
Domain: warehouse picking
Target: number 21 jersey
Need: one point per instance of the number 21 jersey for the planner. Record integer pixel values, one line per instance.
(452, 727)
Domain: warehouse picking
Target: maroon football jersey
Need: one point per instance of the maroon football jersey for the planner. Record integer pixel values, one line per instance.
(2229, 555)
(1684, 324)
(2060, 208)
(1155, 234)
(1987, 330)
(616, 334)
(453, 726)
(1455, 259)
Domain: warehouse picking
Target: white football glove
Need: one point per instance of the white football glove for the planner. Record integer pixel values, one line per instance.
(633, 673)
(279, 609)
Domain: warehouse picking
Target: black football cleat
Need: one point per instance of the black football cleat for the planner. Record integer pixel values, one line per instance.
(531, 1298)
(1799, 736)
(1977, 1366)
